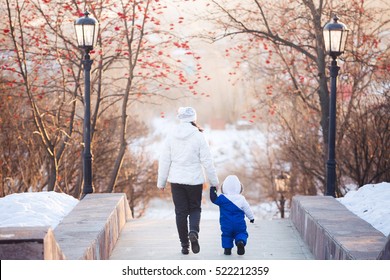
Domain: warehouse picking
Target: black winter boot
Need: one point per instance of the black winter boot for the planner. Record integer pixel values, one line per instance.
(240, 248)
(193, 236)
(185, 250)
(228, 251)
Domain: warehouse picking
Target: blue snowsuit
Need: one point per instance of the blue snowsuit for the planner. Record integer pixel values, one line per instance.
(233, 208)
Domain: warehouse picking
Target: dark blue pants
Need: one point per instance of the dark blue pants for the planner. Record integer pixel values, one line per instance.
(187, 200)
(233, 232)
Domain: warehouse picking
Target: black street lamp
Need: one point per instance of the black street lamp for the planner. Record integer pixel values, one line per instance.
(86, 33)
(281, 183)
(335, 37)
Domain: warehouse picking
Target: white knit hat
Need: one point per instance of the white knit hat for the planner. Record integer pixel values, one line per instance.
(186, 114)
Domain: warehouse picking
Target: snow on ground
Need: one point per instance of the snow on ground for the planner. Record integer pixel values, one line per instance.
(235, 145)
(371, 203)
(35, 209)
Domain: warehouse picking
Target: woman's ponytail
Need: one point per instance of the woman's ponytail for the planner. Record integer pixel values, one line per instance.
(197, 126)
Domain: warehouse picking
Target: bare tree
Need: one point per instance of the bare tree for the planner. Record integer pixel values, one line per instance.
(366, 144)
(286, 39)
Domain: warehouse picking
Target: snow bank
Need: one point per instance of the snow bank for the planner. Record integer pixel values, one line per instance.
(35, 209)
(371, 203)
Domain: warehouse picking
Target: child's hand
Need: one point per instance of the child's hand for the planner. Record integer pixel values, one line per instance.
(252, 221)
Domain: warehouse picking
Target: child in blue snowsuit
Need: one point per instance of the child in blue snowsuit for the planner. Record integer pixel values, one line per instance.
(233, 209)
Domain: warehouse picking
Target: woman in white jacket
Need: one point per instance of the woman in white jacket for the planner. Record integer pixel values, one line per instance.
(184, 160)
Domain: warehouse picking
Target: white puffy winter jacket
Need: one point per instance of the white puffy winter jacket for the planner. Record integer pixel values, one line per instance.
(185, 157)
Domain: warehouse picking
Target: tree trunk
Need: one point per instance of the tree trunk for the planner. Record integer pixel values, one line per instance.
(123, 142)
(52, 175)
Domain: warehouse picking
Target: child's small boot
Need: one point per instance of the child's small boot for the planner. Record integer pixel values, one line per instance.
(228, 251)
(240, 248)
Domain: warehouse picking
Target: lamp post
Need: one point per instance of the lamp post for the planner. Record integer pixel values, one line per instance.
(335, 36)
(281, 183)
(86, 33)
